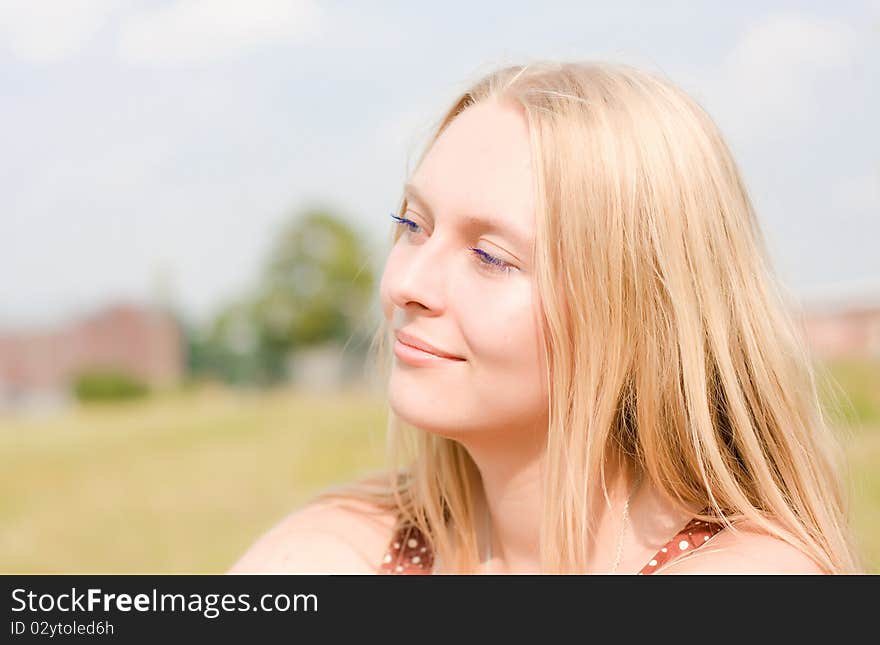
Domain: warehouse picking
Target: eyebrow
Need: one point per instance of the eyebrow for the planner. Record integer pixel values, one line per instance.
(488, 222)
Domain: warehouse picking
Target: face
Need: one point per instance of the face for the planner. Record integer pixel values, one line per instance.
(464, 285)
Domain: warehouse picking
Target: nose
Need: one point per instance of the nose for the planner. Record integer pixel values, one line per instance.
(417, 277)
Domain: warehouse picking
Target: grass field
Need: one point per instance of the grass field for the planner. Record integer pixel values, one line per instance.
(184, 482)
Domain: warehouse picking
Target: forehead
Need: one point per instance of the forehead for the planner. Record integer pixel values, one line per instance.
(480, 167)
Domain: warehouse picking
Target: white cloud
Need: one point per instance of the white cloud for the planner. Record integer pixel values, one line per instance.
(792, 42)
(193, 31)
(43, 31)
(771, 77)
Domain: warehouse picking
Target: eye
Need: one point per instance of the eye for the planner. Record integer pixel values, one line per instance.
(411, 225)
(493, 263)
(489, 262)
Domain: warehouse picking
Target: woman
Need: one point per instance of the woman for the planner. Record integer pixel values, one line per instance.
(613, 383)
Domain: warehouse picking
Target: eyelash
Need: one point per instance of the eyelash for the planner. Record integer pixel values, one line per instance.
(489, 261)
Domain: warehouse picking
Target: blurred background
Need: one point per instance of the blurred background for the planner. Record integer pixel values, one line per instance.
(194, 200)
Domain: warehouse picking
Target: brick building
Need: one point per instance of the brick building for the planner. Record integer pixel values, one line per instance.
(38, 367)
(845, 331)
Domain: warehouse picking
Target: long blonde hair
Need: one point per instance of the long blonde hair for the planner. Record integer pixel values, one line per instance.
(666, 333)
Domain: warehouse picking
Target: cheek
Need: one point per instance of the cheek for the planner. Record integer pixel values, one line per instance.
(508, 372)
(507, 384)
(501, 329)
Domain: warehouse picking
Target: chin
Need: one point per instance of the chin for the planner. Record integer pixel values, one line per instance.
(430, 416)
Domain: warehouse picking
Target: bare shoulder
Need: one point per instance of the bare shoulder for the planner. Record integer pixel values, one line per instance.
(749, 550)
(324, 536)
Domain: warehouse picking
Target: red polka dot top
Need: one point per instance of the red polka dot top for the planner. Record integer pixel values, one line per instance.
(409, 554)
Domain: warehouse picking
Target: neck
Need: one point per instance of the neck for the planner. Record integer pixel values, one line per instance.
(510, 490)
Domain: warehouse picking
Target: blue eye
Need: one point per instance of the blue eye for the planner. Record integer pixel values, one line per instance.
(411, 225)
(484, 259)
(491, 261)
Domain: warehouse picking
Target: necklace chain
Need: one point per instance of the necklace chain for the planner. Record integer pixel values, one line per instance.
(624, 523)
(488, 539)
(619, 539)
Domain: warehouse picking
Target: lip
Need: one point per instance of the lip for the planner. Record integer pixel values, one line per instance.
(413, 349)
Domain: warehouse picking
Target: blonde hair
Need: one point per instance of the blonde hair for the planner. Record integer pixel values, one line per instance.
(667, 336)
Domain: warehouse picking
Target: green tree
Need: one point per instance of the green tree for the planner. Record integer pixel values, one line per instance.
(316, 285)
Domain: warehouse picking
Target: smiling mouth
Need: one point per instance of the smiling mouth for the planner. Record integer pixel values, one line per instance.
(415, 342)
(416, 356)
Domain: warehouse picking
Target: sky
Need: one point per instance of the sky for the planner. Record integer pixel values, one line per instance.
(157, 147)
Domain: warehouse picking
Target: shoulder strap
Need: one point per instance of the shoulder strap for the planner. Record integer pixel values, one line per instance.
(691, 537)
(407, 554)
